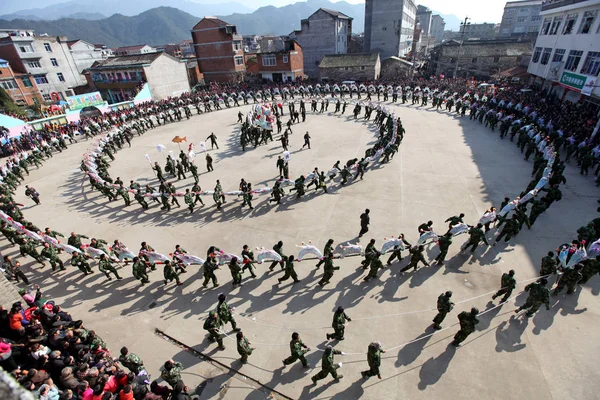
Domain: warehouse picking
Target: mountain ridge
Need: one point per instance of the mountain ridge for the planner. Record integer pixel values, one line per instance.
(163, 25)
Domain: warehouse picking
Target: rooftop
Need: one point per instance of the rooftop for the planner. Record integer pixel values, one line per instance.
(334, 13)
(349, 60)
(552, 4)
(134, 47)
(525, 3)
(128, 61)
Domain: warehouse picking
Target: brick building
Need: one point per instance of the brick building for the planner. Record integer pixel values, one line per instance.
(219, 50)
(324, 32)
(283, 62)
(478, 58)
(356, 67)
(20, 87)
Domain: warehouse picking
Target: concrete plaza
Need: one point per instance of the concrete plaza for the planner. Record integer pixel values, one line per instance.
(446, 165)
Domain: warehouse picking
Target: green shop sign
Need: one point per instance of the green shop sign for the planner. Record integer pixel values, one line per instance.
(573, 80)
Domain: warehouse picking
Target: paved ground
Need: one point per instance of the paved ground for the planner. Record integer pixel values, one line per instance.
(445, 166)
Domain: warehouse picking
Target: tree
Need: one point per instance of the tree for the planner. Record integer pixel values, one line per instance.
(7, 105)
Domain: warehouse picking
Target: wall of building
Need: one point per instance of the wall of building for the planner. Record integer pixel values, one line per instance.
(479, 59)
(167, 77)
(369, 73)
(392, 69)
(20, 87)
(389, 27)
(424, 17)
(553, 68)
(437, 28)
(86, 54)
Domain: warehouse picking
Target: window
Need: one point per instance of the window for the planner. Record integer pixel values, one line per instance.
(533, 29)
(510, 11)
(555, 24)
(346, 68)
(362, 67)
(558, 55)
(239, 60)
(237, 46)
(573, 60)
(26, 48)
(507, 21)
(34, 64)
(40, 79)
(496, 59)
(546, 26)
(521, 19)
(47, 47)
(286, 59)
(546, 55)
(587, 21)
(536, 18)
(269, 60)
(384, 28)
(54, 62)
(46, 97)
(570, 23)
(536, 55)
(474, 60)
(591, 66)
(9, 84)
(26, 81)
(69, 93)
(519, 29)
(60, 76)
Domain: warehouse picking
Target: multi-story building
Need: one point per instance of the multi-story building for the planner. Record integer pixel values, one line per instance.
(480, 31)
(120, 78)
(478, 58)
(437, 28)
(219, 50)
(187, 49)
(424, 18)
(131, 50)
(85, 54)
(521, 18)
(281, 62)
(47, 58)
(324, 32)
(566, 57)
(389, 27)
(20, 87)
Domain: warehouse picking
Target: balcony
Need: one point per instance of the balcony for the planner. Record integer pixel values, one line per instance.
(33, 55)
(117, 83)
(115, 80)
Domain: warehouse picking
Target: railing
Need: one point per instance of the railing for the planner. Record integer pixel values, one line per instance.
(117, 80)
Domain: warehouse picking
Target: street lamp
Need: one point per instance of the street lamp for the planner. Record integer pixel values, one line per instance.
(463, 27)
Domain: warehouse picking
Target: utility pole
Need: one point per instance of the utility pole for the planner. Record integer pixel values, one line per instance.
(463, 27)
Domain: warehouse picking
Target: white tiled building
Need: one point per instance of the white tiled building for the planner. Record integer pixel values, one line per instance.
(566, 56)
(47, 58)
